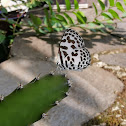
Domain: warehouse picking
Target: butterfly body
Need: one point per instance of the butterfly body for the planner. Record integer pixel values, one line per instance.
(72, 52)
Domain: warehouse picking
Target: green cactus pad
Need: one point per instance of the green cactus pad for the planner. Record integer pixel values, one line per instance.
(25, 106)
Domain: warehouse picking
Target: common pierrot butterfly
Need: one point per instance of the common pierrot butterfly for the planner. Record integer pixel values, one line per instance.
(72, 53)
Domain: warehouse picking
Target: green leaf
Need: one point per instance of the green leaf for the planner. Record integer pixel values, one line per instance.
(36, 20)
(124, 2)
(2, 37)
(93, 30)
(56, 20)
(58, 29)
(79, 18)
(101, 4)
(91, 25)
(30, 23)
(60, 17)
(82, 15)
(47, 19)
(11, 27)
(76, 6)
(1, 31)
(3, 10)
(120, 7)
(114, 14)
(58, 7)
(68, 5)
(11, 41)
(96, 11)
(97, 22)
(124, 15)
(109, 21)
(11, 21)
(71, 21)
(83, 25)
(107, 15)
(111, 2)
(109, 27)
(41, 31)
(101, 30)
(50, 7)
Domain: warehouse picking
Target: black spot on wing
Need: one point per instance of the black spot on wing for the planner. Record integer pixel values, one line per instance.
(74, 54)
(78, 64)
(73, 59)
(63, 40)
(65, 53)
(73, 47)
(69, 68)
(66, 64)
(64, 47)
(68, 58)
(71, 62)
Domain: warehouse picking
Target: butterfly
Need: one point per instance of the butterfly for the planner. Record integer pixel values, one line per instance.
(72, 54)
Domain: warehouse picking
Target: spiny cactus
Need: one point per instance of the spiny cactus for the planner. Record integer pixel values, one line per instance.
(26, 105)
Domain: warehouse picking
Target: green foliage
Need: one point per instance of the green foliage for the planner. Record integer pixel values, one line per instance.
(124, 15)
(8, 30)
(17, 108)
(111, 2)
(105, 14)
(120, 7)
(2, 37)
(59, 20)
(3, 10)
(36, 20)
(81, 14)
(35, 23)
(71, 21)
(62, 19)
(68, 5)
(50, 7)
(114, 14)
(101, 4)
(76, 6)
(48, 20)
(79, 18)
(58, 7)
(34, 3)
(124, 2)
(11, 21)
(96, 11)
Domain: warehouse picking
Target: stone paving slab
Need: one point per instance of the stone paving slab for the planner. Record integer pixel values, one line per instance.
(97, 42)
(16, 70)
(29, 46)
(92, 91)
(114, 59)
(120, 31)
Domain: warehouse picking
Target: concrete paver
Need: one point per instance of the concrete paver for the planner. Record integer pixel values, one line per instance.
(120, 31)
(114, 59)
(93, 90)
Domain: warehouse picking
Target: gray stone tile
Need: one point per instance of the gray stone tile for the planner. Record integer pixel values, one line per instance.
(114, 59)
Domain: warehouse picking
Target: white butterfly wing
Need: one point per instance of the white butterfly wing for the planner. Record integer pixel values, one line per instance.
(72, 52)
